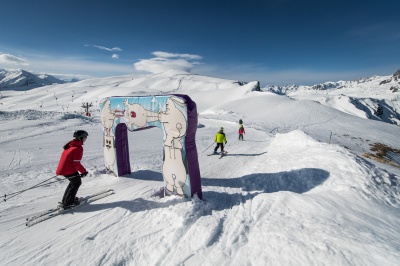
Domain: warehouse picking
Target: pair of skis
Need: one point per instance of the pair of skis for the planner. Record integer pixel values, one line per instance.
(222, 154)
(50, 213)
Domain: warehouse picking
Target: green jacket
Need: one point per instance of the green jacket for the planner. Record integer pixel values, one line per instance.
(220, 137)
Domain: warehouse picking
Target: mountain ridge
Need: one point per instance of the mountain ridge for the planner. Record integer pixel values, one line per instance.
(376, 97)
(21, 80)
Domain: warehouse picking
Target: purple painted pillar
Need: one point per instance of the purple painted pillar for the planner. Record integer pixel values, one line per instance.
(191, 149)
(122, 149)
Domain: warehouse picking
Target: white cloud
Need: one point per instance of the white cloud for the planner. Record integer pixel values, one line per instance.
(8, 59)
(165, 61)
(158, 65)
(171, 55)
(114, 49)
(115, 56)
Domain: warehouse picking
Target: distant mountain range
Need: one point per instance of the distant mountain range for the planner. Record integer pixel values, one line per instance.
(384, 81)
(21, 80)
(376, 98)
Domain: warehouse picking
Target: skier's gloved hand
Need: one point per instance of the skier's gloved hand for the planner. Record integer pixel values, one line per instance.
(84, 174)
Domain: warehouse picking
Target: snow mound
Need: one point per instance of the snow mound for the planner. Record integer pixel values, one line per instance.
(328, 168)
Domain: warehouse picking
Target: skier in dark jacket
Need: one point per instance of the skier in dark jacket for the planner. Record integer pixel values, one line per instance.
(70, 166)
(220, 139)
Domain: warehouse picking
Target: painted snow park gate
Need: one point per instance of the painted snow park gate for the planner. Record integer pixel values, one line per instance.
(176, 115)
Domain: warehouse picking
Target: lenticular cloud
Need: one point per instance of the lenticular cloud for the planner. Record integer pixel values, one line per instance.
(12, 60)
(165, 61)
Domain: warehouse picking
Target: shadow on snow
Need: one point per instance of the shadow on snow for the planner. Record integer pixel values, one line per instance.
(245, 154)
(297, 181)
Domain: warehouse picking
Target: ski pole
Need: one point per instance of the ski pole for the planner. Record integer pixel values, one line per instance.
(20, 192)
(35, 186)
(210, 146)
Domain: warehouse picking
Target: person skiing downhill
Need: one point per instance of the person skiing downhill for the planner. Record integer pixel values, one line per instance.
(220, 139)
(241, 132)
(70, 167)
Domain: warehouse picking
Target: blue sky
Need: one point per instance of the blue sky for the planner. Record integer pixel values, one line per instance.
(277, 42)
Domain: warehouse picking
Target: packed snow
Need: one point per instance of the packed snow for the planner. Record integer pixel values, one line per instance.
(296, 191)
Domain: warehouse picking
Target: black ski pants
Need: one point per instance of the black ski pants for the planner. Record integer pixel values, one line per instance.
(75, 182)
(219, 145)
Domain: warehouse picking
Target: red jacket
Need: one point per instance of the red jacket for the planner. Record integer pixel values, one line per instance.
(70, 160)
(241, 130)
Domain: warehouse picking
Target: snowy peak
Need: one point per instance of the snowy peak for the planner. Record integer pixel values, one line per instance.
(23, 80)
(376, 98)
(395, 78)
(396, 75)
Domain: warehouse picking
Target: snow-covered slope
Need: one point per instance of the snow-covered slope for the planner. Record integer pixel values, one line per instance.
(296, 191)
(21, 80)
(71, 95)
(376, 98)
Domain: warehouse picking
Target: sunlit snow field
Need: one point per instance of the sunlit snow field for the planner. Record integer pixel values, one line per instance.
(296, 191)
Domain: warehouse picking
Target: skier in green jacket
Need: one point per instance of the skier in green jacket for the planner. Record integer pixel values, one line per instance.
(220, 139)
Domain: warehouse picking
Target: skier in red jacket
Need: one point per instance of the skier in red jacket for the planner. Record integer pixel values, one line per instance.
(70, 166)
(241, 132)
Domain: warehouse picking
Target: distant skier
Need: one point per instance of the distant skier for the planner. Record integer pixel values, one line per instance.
(220, 139)
(70, 166)
(241, 132)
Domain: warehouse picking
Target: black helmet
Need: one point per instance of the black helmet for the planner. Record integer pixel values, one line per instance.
(80, 134)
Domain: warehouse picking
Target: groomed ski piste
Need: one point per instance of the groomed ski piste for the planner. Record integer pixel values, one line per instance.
(289, 194)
